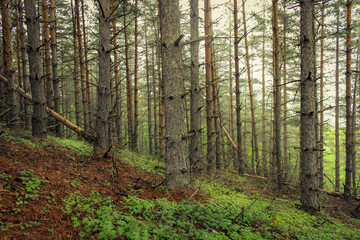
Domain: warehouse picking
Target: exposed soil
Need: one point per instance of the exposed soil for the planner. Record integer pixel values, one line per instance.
(67, 172)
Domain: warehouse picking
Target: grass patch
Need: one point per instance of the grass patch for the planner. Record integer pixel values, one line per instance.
(81, 147)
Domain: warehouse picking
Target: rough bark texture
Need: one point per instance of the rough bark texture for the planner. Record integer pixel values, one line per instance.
(251, 93)
(210, 158)
(39, 121)
(104, 84)
(309, 167)
(349, 124)
(176, 172)
(264, 151)
(337, 140)
(54, 63)
(12, 118)
(156, 142)
(195, 107)
(18, 58)
(148, 88)
(136, 88)
(285, 155)
(240, 160)
(276, 151)
(321, 132)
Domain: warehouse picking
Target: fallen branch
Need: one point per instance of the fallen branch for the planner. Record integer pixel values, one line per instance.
(54, 114)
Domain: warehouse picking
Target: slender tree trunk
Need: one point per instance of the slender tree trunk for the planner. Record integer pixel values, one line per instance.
(24, 64)
(104, 85)
(337, 140)
(136, 89)
(148, 85)
(12, 118)
(209, 95)
(54, 64)
(240, 160)
(264, 155)
(285, 156)
(82, 70)
(231, 107)
(39, 121)
(18, 58)
(88, 94)
(76, 79)
(128, 85)
(195, 108)
(321, 137)
(176, 173)
(354, 121)
(309, 168)
(252, 104)
(156, 145)
(349, 123)
(117, 82)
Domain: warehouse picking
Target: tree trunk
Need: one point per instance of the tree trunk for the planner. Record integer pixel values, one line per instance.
(264, 155)
(128, 85)
(231, 107)
(252, 104)
(12, 118)
(156, 145)
(176, 174)
(209, 95)
(354, 115)
(39, 121)
(195, 107)
(148, 85)
(240, 160)
(285, 156)
(136, 89)
(54, 63)
(18, 58)
(89, 105)
(309, 168)
(276, 95)
(75, 72)
(349, 124)
(81, 61)
(337, 140)
(104, 85)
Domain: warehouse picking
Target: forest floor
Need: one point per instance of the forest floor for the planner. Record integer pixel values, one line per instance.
(37, 175)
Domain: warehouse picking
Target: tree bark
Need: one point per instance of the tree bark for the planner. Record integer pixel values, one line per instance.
(276, 95)
(337, 140)
(321, 133)
(18, 58)
(39, 121)
(136, 89)
(156, 142)
(285, 156)
(264, 151)
(309, 168)
(240, 160)
(349, 123)
(148, 85)
(195, 107)
(104, 85)
(252, 104)
(176, 173)
(12, 118)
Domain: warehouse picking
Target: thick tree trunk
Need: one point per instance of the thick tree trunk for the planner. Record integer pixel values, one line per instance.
(195, 107)
(209, 95)
(349, 139)
(251, 93)
(309, 168)
(12, 118)
(54, 63)
(176, 174)
(240, 160)
(276, 95)
(104, 85)
(39, 121)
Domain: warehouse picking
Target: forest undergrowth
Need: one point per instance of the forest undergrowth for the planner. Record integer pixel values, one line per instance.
(59, 189)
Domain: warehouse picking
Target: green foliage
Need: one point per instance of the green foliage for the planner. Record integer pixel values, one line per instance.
(82, 147)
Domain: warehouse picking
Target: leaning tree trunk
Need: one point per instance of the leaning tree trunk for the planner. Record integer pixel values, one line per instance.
(349, 124)
(104, 85)
(176, 173)
(12, 118)
(39, 121)
(195, 108)
(309, 168)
